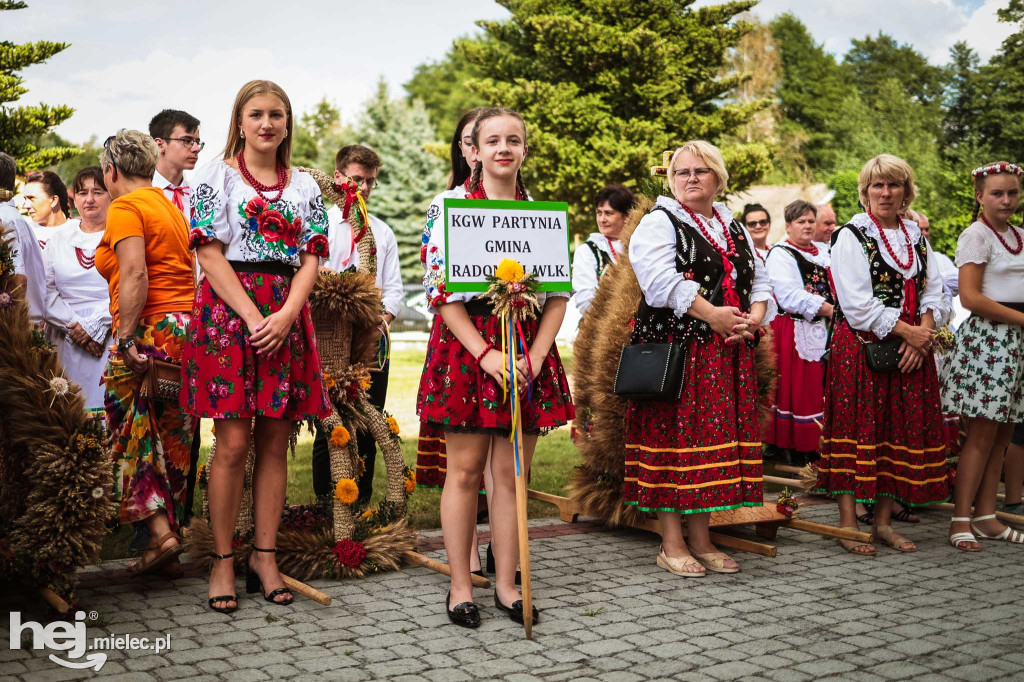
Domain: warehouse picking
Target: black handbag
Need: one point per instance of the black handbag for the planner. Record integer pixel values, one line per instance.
(651, 371)
(883, 356)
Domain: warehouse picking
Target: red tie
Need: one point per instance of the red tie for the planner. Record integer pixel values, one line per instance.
(176, 194)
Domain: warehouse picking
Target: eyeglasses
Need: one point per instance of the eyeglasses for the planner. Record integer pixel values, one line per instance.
(700, 173)
(763, 222)
(369, 182)
(189, 142)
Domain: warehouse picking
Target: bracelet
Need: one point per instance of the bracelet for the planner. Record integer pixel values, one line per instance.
(125, 344)
(487, 349)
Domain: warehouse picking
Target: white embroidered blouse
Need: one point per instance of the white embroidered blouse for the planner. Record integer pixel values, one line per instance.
(1004, 271)
(225, 208)
(652, 253)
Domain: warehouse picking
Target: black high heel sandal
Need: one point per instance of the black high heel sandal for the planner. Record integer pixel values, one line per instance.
(490, 566)
(254, 584)
(515, 612)
(225, 597)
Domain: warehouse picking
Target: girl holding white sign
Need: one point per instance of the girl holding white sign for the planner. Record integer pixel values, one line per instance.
(705, 288)
(461, 389)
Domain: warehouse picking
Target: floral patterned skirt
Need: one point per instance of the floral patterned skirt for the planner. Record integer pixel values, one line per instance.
(884, 433)
(702, 453)
(151, 439)
(455, 395)
(431, 458)
(224, 378)
(984, 376)
(799, 394)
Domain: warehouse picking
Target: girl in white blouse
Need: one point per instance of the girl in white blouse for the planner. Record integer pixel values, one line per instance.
(984, 379)
(77, 296)
(883, 434)
(704, 287)
(259, 229)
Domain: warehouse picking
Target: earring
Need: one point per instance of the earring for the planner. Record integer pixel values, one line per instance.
(241, 133)
(286, 133)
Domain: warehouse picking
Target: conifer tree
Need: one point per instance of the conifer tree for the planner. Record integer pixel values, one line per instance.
(21, 127)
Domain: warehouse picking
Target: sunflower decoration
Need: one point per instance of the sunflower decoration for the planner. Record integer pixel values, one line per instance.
(340, 436)
(346, 491)
(513, 291)
(328, 380)
(410, 481)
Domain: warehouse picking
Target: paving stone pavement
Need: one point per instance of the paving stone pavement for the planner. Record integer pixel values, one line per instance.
(608, 613)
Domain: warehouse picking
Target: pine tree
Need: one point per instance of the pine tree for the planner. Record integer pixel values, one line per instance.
(606, 86)
(410, 175)
(21, 127)
(1002, 125)
(441, 87)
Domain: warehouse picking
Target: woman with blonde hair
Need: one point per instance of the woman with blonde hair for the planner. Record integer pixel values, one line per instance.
(704, 287)
(984, 379)
(259, 229)
(883, 433)
(143, 254)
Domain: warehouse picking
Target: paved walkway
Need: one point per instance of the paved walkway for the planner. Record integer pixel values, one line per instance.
(608, 613)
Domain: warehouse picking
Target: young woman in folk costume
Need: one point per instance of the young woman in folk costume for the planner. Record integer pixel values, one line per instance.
(461, 387)
(984, 379)
(883, 433)
(431, 457)
(798, 268)
(259, 230)
(703, 286)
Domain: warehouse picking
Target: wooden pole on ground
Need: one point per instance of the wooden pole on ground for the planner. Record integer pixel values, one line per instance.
(824, 529)
(418, 559)
(54, 600)
(1002, 516)
(521, 496)
(305, 590)
(783, 481)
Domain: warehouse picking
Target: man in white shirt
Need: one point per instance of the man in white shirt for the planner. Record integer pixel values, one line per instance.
(177, 135)
(361, 165)
(27, 256)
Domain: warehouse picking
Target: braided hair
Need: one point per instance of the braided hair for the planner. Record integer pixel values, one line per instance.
(495, 112)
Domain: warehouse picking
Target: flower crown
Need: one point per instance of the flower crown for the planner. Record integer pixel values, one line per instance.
(995, 169)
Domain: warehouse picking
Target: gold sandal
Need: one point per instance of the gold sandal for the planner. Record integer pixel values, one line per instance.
(900, 546)
(715, 561)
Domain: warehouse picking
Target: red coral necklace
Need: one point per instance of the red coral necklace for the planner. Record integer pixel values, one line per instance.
(1009, 228)
(888, 246)
(481, 193)
(87, 262)
(282, 178)
(729, 296)
(812, 249)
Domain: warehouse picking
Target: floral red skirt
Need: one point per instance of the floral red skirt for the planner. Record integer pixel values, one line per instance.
(223, 376)
(883, 431)
(799, 394)
(702, 453)
(431, 457)
(456, 395)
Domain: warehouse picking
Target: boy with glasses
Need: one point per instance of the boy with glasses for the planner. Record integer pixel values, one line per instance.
(177, 135)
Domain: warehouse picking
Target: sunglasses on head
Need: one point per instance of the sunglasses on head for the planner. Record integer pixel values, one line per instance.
(110, 155)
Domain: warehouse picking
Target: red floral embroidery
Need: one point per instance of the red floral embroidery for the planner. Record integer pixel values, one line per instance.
(272, 225)
(318, 245)
(255, 206)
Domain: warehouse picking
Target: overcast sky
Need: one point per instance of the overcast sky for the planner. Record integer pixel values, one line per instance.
(129, 59)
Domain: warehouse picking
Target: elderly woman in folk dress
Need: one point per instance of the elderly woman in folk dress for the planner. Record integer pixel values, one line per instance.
(701, 453)
(144, 257)
(883, 435)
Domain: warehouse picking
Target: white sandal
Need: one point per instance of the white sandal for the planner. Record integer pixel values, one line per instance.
(956, 539)
(1008, 535)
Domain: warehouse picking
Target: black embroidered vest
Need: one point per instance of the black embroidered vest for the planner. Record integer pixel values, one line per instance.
(699, 262)
(602, 259)
(814, 276)
(886, 281)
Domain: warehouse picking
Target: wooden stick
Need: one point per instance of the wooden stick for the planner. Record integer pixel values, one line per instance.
(1002, 516)
(787, 469)
(305, 590)
(54, 600)
(418, 559)
(826, 530)
(788, 482)
(566, 507)
(733, 542)
(521, 504)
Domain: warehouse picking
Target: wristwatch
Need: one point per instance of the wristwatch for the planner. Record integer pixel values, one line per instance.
(124, 344)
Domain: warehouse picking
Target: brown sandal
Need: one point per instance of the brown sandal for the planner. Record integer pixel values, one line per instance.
(142, 567)
(899, 546)
(852, 545)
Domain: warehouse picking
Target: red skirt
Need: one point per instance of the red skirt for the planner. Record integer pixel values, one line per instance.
(431, 458)
(799, 394)
(455, 395)
(884, 432)
(702, 453)
(224, 378)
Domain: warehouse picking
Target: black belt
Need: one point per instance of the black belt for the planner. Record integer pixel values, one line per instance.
(1017, 305)
(480, 306)
(266, 267)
